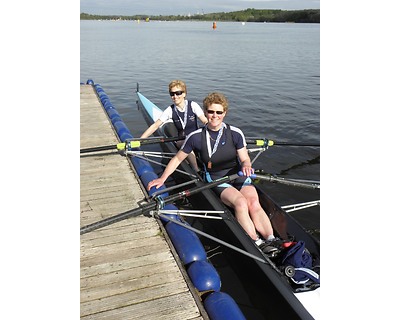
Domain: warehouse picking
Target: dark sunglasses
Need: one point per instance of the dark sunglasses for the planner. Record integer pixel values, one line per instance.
(178, 93)
(217, 112)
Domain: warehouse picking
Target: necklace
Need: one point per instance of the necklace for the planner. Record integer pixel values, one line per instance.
(214, 149)
(212, 139)
(180, 109)
(184, 121)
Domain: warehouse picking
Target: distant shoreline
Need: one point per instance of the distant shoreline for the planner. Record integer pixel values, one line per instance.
(248, 15)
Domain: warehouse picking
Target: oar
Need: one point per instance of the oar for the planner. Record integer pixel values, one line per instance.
(215, 239)
(155, 204)
(270, 143)
(310, 162)
(248, 254)
(129, 144)
(299, 206)
(289, 182)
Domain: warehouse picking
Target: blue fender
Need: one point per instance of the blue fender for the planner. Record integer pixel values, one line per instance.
(108, 105)
(126, 136)
(204, 276)
(148, 176)
(121, 127)
(113, 113)
(98, 88)
(141, 165)
(186, 243)
(115, 119)
(105, 101)
(221, 306)
(171, 216)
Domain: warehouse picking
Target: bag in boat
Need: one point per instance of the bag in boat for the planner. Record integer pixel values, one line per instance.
(297, 257)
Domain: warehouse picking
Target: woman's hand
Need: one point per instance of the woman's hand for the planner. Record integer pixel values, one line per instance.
(247, 170)
(156, 182)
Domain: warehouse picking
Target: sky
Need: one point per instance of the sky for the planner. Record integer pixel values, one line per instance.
(184, 7)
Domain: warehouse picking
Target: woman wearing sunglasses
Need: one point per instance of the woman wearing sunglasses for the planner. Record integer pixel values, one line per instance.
(222, 151)
(184, 114)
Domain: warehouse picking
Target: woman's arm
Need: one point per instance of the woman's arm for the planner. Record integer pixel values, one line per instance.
(203, 119)
(198, 111)
(245, 161)
(150, 130)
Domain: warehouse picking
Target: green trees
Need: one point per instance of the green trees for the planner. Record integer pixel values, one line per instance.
(248, 15)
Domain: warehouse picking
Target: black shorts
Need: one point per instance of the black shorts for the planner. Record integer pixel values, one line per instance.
(238, 183)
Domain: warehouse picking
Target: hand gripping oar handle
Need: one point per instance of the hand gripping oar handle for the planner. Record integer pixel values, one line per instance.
(271, 178)
(156, 203)
(130, 144)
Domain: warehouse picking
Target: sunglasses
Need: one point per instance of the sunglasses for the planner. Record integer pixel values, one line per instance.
(177, 93)
(217, 112)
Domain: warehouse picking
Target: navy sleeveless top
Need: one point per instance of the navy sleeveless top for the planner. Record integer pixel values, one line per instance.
(179, 117)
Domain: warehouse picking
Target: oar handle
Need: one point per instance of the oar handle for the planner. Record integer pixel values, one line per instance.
(288, 182)
(261, 142)
(241, 174)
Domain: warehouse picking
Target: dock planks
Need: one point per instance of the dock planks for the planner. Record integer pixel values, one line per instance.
(128, 270)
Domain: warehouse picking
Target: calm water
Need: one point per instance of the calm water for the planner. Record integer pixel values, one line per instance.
(269, 73)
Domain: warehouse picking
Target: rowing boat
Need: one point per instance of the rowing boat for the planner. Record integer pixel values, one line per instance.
(278, 296)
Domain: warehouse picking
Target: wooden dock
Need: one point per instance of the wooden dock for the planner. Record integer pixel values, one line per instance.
(129, 270)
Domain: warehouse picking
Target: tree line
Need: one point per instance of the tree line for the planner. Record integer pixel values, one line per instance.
(248, 15)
